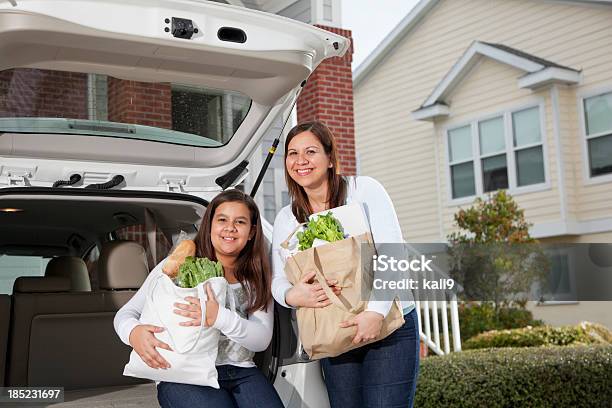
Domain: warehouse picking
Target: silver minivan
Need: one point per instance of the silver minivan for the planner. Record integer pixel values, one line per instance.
(119, 121)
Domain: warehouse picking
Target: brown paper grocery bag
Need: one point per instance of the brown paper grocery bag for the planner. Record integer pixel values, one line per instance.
(320, 331)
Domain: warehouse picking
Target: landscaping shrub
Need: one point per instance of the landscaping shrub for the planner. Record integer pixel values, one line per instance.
(575, 376)
(491, 253)
(477, 318)
(584, 333)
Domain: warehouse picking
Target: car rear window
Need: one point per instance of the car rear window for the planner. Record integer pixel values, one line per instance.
(12, 267)
(138, 233)
(45, 101)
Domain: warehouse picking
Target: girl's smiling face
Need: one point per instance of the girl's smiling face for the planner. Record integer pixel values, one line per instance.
(306, 162)
(231, 229)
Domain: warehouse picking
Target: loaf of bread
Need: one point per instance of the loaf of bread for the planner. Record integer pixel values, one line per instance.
(177, 257)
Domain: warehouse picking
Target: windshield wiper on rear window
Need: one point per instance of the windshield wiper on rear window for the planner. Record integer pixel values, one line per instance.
(103, 128)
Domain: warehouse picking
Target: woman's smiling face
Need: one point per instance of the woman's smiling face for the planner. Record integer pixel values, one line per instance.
(231, 228)
(306, 160)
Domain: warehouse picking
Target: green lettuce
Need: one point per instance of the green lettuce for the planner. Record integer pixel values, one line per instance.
(325, 227)
(197, 270)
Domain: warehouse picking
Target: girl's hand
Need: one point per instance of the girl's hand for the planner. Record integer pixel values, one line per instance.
(193, 310)
(143, 341)
(368, 325)
(308, 293)
(212, 306)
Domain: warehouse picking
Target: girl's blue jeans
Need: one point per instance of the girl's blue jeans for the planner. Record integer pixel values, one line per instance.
(239, 388)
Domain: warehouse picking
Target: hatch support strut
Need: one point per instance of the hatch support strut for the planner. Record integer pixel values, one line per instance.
(275, 143)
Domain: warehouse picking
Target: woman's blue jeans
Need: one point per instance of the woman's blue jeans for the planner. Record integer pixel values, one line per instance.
(378, 375)
(239, 388)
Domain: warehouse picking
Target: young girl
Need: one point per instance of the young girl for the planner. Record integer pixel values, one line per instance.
(231, 234)
(379, 374)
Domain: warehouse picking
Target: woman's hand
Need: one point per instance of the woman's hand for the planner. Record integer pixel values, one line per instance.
(368, 325)
(193, 310)
(308, 293)
(143, 341)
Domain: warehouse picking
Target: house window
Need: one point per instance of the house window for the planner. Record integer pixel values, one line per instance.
(559, 277)
(528, 151)
(275, 193)
(493, 154)
(269, 194)
(461, 163)
(598, 121)
(559, 285)
(509, 149)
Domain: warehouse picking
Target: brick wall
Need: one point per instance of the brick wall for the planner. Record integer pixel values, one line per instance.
(328, 97)
(140, 103)
(56, 94)
(28, 92)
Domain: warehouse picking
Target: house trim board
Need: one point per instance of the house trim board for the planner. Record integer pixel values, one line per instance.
(439, 189)
(549, 75)
(556, 124)
(557, 228)
(538, 75)
(560, 228)
(431, 112)
(469, 59)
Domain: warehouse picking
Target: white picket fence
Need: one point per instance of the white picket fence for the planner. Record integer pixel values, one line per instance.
(433, 314)
(436, 330)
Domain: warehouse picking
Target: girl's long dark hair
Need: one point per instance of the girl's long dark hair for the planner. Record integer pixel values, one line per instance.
(337, 185)
(252, 266)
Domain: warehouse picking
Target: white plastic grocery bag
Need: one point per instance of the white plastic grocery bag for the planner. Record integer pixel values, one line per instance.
(192, 360)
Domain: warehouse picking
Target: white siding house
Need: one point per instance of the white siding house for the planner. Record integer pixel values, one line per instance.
(467, 97)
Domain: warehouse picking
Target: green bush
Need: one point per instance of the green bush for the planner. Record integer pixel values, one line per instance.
(491, 254)
(584, 333)
(577, 376)
(477, 318)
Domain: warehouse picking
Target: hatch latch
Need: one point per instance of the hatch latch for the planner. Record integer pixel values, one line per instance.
(19, 178)
(175, 184)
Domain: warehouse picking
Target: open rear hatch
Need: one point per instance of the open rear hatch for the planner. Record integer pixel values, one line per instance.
(169, 94)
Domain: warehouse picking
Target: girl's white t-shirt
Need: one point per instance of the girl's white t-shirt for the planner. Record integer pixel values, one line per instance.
(241, 337)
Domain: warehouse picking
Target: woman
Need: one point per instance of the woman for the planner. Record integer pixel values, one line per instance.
(231, 234)
(379, 374)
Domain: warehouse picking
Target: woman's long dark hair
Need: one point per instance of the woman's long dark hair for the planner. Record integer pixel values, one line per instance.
(252, 266)
(337, 185)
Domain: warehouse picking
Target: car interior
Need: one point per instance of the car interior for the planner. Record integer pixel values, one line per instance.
(56, 327)
(72, 255)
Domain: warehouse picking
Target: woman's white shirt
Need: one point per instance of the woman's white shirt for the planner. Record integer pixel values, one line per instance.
(383, 223)
(253, 333)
